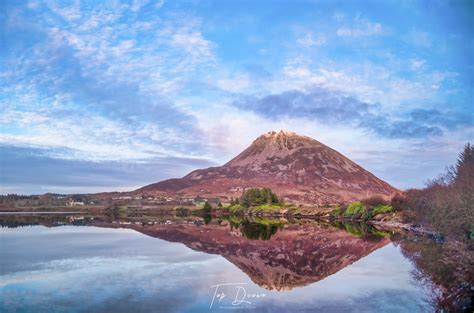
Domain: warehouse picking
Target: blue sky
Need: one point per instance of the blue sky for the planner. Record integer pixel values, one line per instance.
(112, 95)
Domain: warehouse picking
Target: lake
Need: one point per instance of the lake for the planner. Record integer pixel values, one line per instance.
(74, 263)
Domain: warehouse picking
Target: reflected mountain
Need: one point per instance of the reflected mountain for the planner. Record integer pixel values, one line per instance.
(275, 254)
(289, 256)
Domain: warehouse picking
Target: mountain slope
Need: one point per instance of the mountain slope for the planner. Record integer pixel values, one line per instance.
(298, 168)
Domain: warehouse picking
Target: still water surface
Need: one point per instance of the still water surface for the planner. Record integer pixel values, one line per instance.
(189, 266)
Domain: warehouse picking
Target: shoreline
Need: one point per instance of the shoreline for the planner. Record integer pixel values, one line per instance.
(323, 216)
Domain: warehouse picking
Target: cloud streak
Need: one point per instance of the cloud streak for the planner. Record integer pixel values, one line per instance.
(37, 171)
(334, 108)
(363, 28)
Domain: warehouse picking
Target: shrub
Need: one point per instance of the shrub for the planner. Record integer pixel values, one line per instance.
(337, 212)
(354, 208)
(374, 201)
(266, 207)
(382, 208)
(398, 202)
(236, 208)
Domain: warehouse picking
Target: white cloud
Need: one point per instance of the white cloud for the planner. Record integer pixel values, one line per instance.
(159, 4)
(366, 81)
(417, 64)
(69, 13)
(23, 118)
(309, 40)
(304, 77)
(90, 137)
(362, 28)
(104, 44)
(192, 42)
(235, 83)
(138, 4)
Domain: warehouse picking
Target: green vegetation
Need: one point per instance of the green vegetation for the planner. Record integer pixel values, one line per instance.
(207, 218)
(256, 231)
(337, 212)
(233, 202)
(356, 230)
(353, 209)
(118, 210)
(382, 208)
(234, 220)
(269, 206)
(254, 200)
(258, 196)
(360, 229)
(236, 209)
(266, 208)
(207, 212)
(362, 210)
(256, 228)
(207, 207)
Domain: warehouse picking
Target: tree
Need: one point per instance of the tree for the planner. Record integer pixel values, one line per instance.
(464, 176)
(207, 207)
(464, 168)
(207, 210)
(257, 196)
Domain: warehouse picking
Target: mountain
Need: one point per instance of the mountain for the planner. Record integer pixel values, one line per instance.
(298, 168)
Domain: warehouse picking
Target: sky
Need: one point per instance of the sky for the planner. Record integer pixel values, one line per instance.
(113, 95)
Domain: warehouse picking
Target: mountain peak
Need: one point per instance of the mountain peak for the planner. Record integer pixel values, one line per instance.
(273, 145)
(282, 132)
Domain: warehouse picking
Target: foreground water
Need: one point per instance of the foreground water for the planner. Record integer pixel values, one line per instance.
(184, 265)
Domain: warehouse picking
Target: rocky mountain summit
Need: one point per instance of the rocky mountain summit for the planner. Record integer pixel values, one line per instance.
(298, 168)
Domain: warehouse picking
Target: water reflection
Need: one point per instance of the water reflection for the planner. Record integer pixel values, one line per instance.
(256, 228)
(289, 258)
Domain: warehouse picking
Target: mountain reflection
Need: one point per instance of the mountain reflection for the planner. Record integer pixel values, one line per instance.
(280, 254)
(275, 254)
